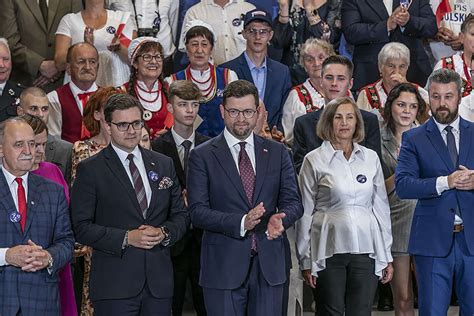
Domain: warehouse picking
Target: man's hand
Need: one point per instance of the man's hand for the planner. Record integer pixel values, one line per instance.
(455, 43)
(398, 78)
(391, 22)
(114, 44)
(402, 16)
(89, 35)
(465, 181)
(444, 35)
(387, 274)
(41, 81)
(48, 69)
(17, 256)
(277, 135)
(452, 178)
(145, 237)
(253, 216)
(38, 261)
(275, 226)
(309, 278)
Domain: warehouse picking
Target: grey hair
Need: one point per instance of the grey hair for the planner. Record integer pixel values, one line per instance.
(393, 50)
(3, 124)
(4, 41)
(445, 76)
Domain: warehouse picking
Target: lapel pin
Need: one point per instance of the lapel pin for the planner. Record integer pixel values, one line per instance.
(153, 176)
(265, 150)
(15, 217)
(11, 92)
(152, 163)
(32, 202)
(361, 178)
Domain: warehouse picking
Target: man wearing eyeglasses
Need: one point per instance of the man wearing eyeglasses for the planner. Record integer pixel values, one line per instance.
(271, 78)
(126, 204)
(242, 192)
(69, 101)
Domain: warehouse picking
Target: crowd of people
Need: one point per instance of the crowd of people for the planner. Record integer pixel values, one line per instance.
(236, 150)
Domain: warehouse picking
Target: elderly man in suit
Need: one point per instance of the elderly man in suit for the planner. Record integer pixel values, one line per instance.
(34, 101)
(30, 28)
(127, 205)
(9, 91)
(242, 192)
(337, 80)
(36, 239)
(436, 167)
(271, 78)
(177, 143)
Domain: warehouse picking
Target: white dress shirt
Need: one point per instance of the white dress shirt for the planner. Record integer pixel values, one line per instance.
(234, 148)
(226, 23)
(138, 160)
(13, 186)
(2, 86)
(55, 120)
(179, 144)
(346, 208)
(442, 182)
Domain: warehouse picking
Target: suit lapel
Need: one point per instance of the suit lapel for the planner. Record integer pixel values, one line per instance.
(268, 81)
(262, 155)
(117, 169)
(245, 69)
(52, 10)
(225, 159)
(466, 139)
(379, 8)
(33, 200)
(438, 143)
(151, 167)
(172, 151)
(6, 200)
(389, 143)
(35, 10)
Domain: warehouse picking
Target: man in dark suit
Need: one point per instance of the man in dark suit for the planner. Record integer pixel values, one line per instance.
(242, 192)
(184, 96)
(337, 80)
(9, 91)
(271, 78)
(436, 167)
(370, 24)
(127, 205)
(34, 101)
(36, 239)
(30, 27)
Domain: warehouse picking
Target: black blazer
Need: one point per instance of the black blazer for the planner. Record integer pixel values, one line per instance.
(11, 92)
(104, 206)
(305, 138)
(166, 145)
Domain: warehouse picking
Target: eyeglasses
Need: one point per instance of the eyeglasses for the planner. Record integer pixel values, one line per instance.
(148, 57)
(261, 32)
(124, 126)
(234, 113)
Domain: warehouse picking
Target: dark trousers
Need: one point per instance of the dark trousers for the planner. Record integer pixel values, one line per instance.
(347, 286)
(435, 276)
(186, 266)
(254, 298)
(144, 304)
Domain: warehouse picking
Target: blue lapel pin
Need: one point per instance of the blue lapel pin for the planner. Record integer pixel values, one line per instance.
(15, 217)
(153, 176)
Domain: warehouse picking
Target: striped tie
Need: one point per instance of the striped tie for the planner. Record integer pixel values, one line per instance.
(138, 185)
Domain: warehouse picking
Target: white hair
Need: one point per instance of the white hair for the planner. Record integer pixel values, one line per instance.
(5, 42)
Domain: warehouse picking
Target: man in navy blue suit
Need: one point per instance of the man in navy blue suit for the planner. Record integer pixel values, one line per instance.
(436, 166)
(271, 78)
(242, 192)
(36, 239)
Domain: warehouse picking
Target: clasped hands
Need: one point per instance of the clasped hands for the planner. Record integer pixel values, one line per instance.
(399, 17)
(30, 257)
(145, 237)
(461, 179)
(275, 224)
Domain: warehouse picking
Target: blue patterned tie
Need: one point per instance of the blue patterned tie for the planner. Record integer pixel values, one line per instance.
(451, 143)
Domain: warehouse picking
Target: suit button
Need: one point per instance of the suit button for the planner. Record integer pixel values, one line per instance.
(452, 210)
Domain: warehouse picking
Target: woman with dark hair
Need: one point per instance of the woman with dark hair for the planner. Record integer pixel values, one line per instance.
(146, 83)
(52, 172)
(94, 122)
(403, 107)
(199, 39)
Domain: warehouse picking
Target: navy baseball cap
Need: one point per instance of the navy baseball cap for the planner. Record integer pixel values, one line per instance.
(257, 15)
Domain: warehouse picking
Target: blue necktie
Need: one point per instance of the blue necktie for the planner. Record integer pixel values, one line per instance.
(451, 143)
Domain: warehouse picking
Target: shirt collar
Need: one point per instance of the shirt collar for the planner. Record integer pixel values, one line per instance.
(330, 152)
(11, 178)
(232, 140)
(2, 87)
(252, 66)
(178, 139)
(122, 154)
(75, 89)
(213, 3)
(454, 124)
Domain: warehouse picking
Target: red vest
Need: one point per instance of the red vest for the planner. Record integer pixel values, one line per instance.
(72, 118)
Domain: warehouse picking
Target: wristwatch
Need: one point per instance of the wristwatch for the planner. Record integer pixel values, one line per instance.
(165, 231)
(50, 262)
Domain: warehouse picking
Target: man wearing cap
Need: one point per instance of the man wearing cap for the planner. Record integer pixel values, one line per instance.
(69, 101)
(271, 78)
(9, 91)
(225, 17)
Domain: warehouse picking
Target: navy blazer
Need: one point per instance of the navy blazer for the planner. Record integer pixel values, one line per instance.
(217, 203)
(423, 158)
(277, 86)
(11, 92)
(305, 138)
(48, 225)
(104, 206)
(364, 23)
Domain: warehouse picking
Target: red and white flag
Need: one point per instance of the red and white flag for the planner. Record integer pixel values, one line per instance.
(124, 40)
(440, 8)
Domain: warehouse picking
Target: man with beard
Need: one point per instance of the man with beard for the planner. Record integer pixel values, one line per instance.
(436, 166)
(69, 101)
(242, 192)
